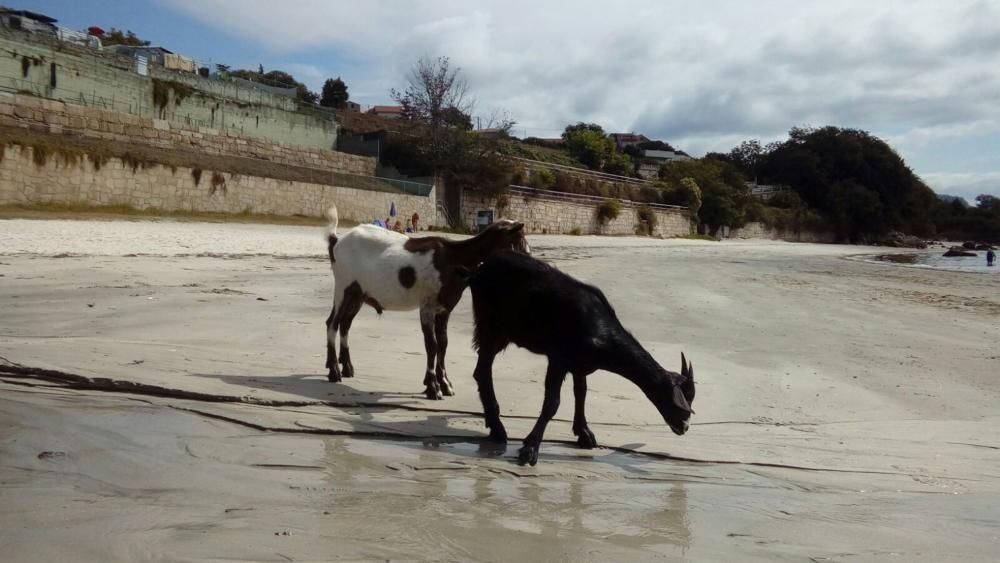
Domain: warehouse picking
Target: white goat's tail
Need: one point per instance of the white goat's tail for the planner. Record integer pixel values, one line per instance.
(331, 232)
(333, 218)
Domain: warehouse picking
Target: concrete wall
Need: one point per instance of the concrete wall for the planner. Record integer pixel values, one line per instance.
(115, 183)
(59, 117)
(92, 78)
(560, 217)
(758, 230)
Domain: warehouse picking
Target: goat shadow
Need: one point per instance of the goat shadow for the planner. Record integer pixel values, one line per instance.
(432, 431)
(425, 424)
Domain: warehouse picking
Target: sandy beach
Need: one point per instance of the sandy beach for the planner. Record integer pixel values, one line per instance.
(163, 397)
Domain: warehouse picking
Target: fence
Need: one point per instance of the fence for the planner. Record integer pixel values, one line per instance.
(582, 171)
(582, 198)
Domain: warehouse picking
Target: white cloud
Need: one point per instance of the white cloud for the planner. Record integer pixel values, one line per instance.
(964, 184)
(702, 77)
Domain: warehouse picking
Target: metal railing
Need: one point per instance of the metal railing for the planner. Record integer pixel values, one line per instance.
(582, 171)
(582, 198)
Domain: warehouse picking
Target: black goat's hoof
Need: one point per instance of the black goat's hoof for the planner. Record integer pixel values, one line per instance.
(347, 370)
(433, 394)
(527, 455)
(586, 439)
(498, 435)
(334, 376)
(445, 385)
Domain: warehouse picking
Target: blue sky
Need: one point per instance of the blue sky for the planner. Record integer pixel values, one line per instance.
(921, 74)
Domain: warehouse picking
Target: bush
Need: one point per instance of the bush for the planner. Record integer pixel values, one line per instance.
(565, 183)
(575, 231)
(608, 211)
(542, 179)
(647, 220)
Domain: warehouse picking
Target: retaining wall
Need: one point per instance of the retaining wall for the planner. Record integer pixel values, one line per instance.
(560, 217)
(23, 181)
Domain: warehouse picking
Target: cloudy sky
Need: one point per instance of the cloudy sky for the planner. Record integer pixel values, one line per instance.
(924, 75)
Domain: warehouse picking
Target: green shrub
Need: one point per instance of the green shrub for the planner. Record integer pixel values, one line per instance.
(608, 211)
(542, 179)
(575, 231)
(647, 220)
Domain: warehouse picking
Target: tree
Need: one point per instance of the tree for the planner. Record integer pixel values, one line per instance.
(747, 156)
(118, 37)
(437, 109)
(434, 88)
(581, 126)
(836, 170)
(715, 184)
(435, 99)
(334, 93)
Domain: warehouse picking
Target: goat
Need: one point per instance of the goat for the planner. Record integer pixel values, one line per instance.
(390, 271)
(519, 299)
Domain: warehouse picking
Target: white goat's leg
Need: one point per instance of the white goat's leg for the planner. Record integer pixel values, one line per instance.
(351, 304)
(432, 390)
(441, 335)
(332, 324)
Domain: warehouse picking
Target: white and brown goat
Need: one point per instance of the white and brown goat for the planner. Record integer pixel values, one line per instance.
(394, 272)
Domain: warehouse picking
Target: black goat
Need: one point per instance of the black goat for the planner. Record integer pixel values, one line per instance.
(519, 299)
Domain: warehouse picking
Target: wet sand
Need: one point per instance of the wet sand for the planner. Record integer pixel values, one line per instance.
(847, 411)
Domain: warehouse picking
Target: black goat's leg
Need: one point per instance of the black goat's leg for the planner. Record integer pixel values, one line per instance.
(584, 437)
(491, 409)
(432, 389)
(554, 377)
(441, 336)
(350, 306)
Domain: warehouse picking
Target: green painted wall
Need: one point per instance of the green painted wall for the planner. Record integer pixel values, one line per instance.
(87, 77)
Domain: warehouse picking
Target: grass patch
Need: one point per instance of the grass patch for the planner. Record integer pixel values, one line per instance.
(125, 212)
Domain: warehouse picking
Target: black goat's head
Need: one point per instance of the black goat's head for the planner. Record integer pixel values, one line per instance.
(509, 235)
(675, 397)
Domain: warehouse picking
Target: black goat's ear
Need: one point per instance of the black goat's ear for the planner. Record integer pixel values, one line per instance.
(517, 227)
(679, 400)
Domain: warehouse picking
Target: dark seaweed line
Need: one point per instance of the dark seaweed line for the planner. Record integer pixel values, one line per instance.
(74, 381)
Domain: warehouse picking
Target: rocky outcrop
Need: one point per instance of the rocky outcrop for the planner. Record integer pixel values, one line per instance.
(899, 240)
(959, 251)
(970, 245)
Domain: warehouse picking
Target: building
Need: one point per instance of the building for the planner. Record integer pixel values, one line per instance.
(24, 20)
(391, 112)
(765, 191)
(623, 140)
(651, 161)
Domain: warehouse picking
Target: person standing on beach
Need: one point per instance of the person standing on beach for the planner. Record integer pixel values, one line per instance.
(990, 257)
(414, 220)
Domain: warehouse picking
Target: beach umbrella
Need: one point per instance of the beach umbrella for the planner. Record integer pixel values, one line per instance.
(392, 209)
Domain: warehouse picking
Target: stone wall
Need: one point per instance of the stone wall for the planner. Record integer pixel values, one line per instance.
(756, 230)
(560, 217)
(84, 76)
(59, 117)
(22, 181)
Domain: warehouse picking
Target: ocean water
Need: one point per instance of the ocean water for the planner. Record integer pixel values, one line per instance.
(934, 259)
